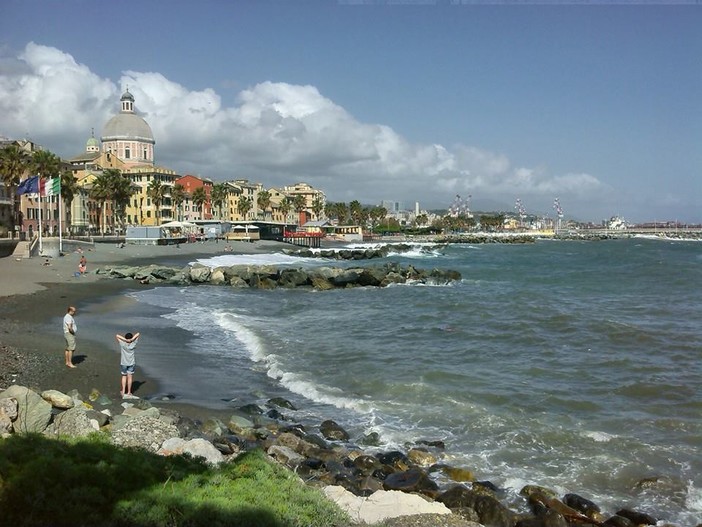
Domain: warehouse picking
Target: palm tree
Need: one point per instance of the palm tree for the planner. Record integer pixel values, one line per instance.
(47, 165)
(14, 163)
(244, 206)
(263, 200)
(299, 204)
(199, 199)
(157, 191)
(219, 197)
(122, 192)
(285, 207)
(69, 188)
(356, 210)
(317, 206)
(101, 191)
(178, 197)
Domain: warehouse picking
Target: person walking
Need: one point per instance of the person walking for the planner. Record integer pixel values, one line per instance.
(69, 334)
(127, 346)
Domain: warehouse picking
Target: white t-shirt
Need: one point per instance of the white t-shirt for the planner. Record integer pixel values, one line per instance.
(69, 321)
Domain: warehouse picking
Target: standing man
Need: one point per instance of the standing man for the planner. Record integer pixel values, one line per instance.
(69, 334)
(127, 345)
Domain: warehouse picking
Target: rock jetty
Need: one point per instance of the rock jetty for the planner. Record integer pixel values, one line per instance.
(370, 487)
(272, 277)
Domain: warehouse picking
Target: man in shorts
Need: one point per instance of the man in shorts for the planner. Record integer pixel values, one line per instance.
(69, 334)
(127, 346)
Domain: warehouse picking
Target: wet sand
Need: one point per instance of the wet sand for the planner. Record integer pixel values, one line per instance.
(34, 298)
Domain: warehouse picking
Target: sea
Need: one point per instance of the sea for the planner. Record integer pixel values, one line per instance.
(574, 365)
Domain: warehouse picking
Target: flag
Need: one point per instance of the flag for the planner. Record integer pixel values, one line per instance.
(51, 187)
(29, 186)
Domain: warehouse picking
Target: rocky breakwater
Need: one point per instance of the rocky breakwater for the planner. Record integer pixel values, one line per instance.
(272, 277)
(371, 487)
(381, 251)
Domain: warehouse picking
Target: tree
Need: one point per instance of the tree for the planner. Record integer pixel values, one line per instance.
(317, 206)
(219, 197)
(122, 191)
(285, 207)
(299, 204)
(244, 206)
(46, 164)
(376, 214)
(199, 198)
(178, 197)
(356, 211)
(263, 200)
(14, 163)
(69, 188)
(342, 213)
(156, 191)
(101, 192)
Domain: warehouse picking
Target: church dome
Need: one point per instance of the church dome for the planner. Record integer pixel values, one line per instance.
(92, 143)
(127, 126)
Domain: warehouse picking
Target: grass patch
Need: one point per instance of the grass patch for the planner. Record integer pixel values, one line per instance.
(93, 483)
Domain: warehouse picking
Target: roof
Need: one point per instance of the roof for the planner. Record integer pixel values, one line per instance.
(127, 126)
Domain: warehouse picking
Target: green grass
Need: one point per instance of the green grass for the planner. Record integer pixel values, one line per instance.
(93, 483)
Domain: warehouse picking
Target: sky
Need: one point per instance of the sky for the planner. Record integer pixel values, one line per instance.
(598, 106)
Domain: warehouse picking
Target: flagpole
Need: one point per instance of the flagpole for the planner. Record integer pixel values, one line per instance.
(41, 247)
(60, 236)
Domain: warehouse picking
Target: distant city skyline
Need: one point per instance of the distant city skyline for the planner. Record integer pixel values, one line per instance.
(597, 106)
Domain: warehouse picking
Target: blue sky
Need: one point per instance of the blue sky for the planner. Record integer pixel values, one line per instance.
(599, 106)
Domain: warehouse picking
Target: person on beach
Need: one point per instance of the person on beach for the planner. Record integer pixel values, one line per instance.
(82, 265)
(127, 345)
(69, 335)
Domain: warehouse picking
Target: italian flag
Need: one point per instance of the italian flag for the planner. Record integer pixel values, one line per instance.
(50, 187)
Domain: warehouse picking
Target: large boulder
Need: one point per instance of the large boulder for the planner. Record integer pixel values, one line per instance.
(58, 399)
(72, 423)
(197, 447)
(382, 504)
(8, 413)
(33, 412)
(144, 432)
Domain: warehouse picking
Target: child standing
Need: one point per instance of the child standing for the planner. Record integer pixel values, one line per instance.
(127, 345)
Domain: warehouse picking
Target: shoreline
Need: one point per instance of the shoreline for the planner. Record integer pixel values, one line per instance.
(34, 297)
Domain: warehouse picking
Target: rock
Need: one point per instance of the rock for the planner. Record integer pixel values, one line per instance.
(382, 504)
(585, 506)
(619, 521)
(332, 431)
(8, 413)
(421, 457)
(217, 277)
(195, 447)
(58, 399)
(71, 423)
(213, 427)
(33, 412)
(143, 432)
(285, 455)
(199, 273)
(639, 518)
(240, 425)
(489, 510)
(101, 418)
(282, 403)
(412, 480)
(395, 459)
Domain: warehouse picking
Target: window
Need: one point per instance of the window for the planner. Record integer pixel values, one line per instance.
(127, 153)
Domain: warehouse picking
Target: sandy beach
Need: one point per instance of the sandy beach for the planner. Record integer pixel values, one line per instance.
(34, 295)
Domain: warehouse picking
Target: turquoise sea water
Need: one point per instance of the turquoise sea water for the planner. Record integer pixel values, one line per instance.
(573, 365)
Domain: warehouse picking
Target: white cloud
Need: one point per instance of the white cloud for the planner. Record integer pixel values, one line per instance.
(277, 134)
